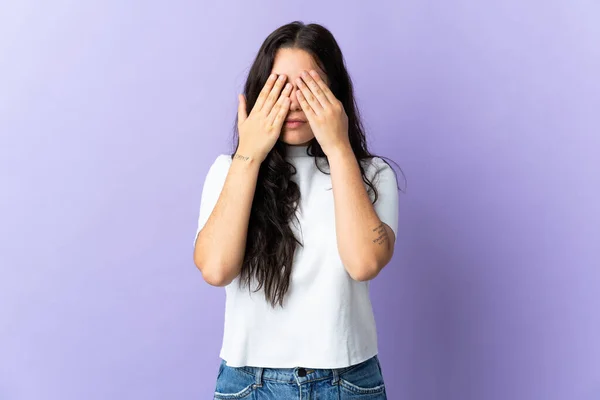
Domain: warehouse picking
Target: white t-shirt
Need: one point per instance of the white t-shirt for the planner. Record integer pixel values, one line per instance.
(327, 320)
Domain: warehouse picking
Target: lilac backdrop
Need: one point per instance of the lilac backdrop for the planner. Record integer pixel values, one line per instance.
(111, 113)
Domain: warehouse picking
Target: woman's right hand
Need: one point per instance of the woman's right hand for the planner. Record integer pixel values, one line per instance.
(259, 131)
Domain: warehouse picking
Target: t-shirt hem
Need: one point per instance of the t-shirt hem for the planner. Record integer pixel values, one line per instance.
(265, 363)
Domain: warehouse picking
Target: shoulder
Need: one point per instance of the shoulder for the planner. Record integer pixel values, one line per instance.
(218, 169)
(220, 164)
(375, 165)
(223, 160)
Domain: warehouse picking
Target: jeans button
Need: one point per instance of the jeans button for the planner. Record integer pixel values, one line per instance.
(301, 372)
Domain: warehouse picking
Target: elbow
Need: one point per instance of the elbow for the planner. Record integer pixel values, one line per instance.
(364, 272)
(368, 267)
(214, 277)
(212, 273)
(363, 276)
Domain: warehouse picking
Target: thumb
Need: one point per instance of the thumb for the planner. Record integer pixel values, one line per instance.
(242, 115)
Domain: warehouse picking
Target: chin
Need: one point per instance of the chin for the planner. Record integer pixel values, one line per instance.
(296, 138)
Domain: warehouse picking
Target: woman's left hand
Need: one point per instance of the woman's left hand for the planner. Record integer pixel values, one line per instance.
(325, 113)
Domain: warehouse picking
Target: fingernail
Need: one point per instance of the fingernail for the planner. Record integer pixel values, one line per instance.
(287, 86)
(272, 76)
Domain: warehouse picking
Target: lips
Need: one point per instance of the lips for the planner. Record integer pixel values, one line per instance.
(295, 120)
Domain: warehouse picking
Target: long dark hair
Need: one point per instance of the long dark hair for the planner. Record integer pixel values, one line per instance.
(271, 243)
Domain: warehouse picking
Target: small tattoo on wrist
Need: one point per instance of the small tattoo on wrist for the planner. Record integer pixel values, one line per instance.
(241, 157)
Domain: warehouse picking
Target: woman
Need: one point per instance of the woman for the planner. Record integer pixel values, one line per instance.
(288, 226)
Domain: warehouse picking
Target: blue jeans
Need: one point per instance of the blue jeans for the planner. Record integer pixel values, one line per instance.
(359, 381)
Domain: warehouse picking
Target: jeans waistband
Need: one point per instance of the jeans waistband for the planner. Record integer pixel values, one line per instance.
(300, 374)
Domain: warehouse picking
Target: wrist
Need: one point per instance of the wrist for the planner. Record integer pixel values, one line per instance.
(339, 151)
(246, 159)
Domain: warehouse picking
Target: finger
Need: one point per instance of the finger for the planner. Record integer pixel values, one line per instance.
(308, 111)
(242, 114)
(326, 91)
(273, 94)
(265, 92)
(309, 97)
(315, 89)
(285, 95)
(281, 109)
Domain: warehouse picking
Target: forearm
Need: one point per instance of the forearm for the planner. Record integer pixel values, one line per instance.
(362, 238)
(220, 246)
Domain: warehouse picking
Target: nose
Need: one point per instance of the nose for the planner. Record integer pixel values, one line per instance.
(294, 106)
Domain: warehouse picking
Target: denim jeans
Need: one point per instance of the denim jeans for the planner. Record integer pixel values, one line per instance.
(359, 381)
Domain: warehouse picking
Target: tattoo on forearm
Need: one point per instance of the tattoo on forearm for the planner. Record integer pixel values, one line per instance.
(240, 157)
(382, 236)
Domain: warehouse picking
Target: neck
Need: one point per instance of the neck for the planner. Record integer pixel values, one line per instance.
(297, 150)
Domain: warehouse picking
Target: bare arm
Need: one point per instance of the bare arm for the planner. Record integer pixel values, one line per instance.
(366, 244)
(364, 241)
(220, 245)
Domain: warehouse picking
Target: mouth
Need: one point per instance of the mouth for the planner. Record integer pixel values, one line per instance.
(294, 123)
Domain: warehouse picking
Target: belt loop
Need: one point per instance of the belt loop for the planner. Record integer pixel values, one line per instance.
(336, 376)
(259, 371)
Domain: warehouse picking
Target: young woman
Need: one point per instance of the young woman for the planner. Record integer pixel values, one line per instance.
(294, 224)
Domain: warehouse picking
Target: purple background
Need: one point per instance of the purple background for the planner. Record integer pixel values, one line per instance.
(112, 112)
